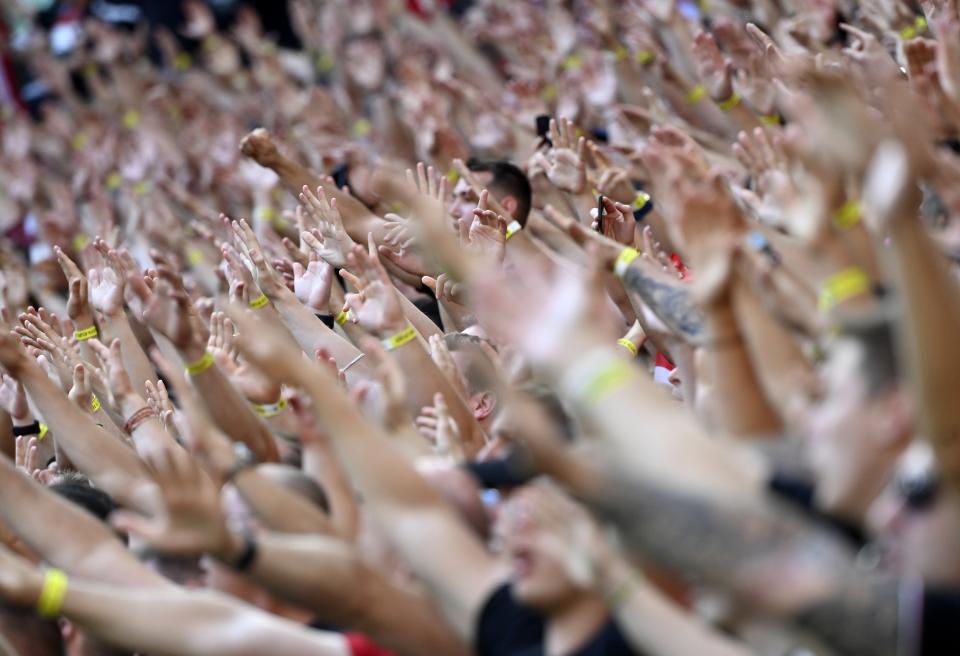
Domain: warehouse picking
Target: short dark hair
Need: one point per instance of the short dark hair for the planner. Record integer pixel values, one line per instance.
(77, 489)
(508, 180)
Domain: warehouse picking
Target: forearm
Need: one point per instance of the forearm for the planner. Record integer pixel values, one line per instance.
(357, 219)
(670, 300)
(653, 440)
(110, 464)
(135, 359)
(744, 548)
(229, 409)
(279, 508)
(149, 437)
(742, 408)
(417, 365)
(930, 311)
(657, 626)
(68, 536)
(328, 576)
(418, 319)
(322, 465)
(787, 378)
(177, 621)
(312, 334)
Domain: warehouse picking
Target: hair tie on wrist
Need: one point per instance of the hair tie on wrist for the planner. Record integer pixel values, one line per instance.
(137, 418)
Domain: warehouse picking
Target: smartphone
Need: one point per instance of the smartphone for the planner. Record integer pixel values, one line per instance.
(543, 129)
(600, 214)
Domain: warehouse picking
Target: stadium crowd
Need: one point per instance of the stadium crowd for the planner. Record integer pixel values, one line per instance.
(549, 327)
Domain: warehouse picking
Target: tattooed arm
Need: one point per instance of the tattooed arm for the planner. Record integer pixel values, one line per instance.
(668, 299)
(764, 552)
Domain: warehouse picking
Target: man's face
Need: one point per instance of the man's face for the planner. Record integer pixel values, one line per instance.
(848, 439)
(464, 198)
(539, 577)
(365, 63)
(916, 521)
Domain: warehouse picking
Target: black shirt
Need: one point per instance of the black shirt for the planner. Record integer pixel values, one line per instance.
(508, 629)
(800, 493)
(938, 626)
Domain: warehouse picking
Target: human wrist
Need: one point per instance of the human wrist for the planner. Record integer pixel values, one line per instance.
(229, 545)
(391, 328)
(24, 420)
(617, 581)
(193, 353)
(129, 402)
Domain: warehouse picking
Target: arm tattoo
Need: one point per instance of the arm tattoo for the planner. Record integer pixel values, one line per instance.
(764, 552)
(670, 301)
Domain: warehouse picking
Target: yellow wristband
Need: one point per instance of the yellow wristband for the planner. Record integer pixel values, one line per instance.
(52, 593)
(405, 336)
(94, 403)
(608, 379)
(624, 589)
(513, 228)
(620, 53)
(268, 410)
(729, 103)
(572, 62)
(343, 317)
(842, 286)
(259, 302)
(644, 57)
(627, 256)
(911, 31)
(201, 365)
(771, 119)
(696, 94)
(44, 429)
(361, 128)
(85, 334)
(630, 346)
(848, 215)
(640, 201)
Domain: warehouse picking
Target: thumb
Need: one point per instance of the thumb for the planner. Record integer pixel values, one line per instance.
(430, 282)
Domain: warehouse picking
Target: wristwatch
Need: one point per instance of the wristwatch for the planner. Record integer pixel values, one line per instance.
(244, 458)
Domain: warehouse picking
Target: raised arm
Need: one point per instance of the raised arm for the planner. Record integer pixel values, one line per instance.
(168, 311)
(65, 535)
(461, 574)
(930, 304)
(112, 465)
(167, 620)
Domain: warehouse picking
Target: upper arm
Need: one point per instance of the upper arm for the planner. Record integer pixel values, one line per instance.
(457, 569)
